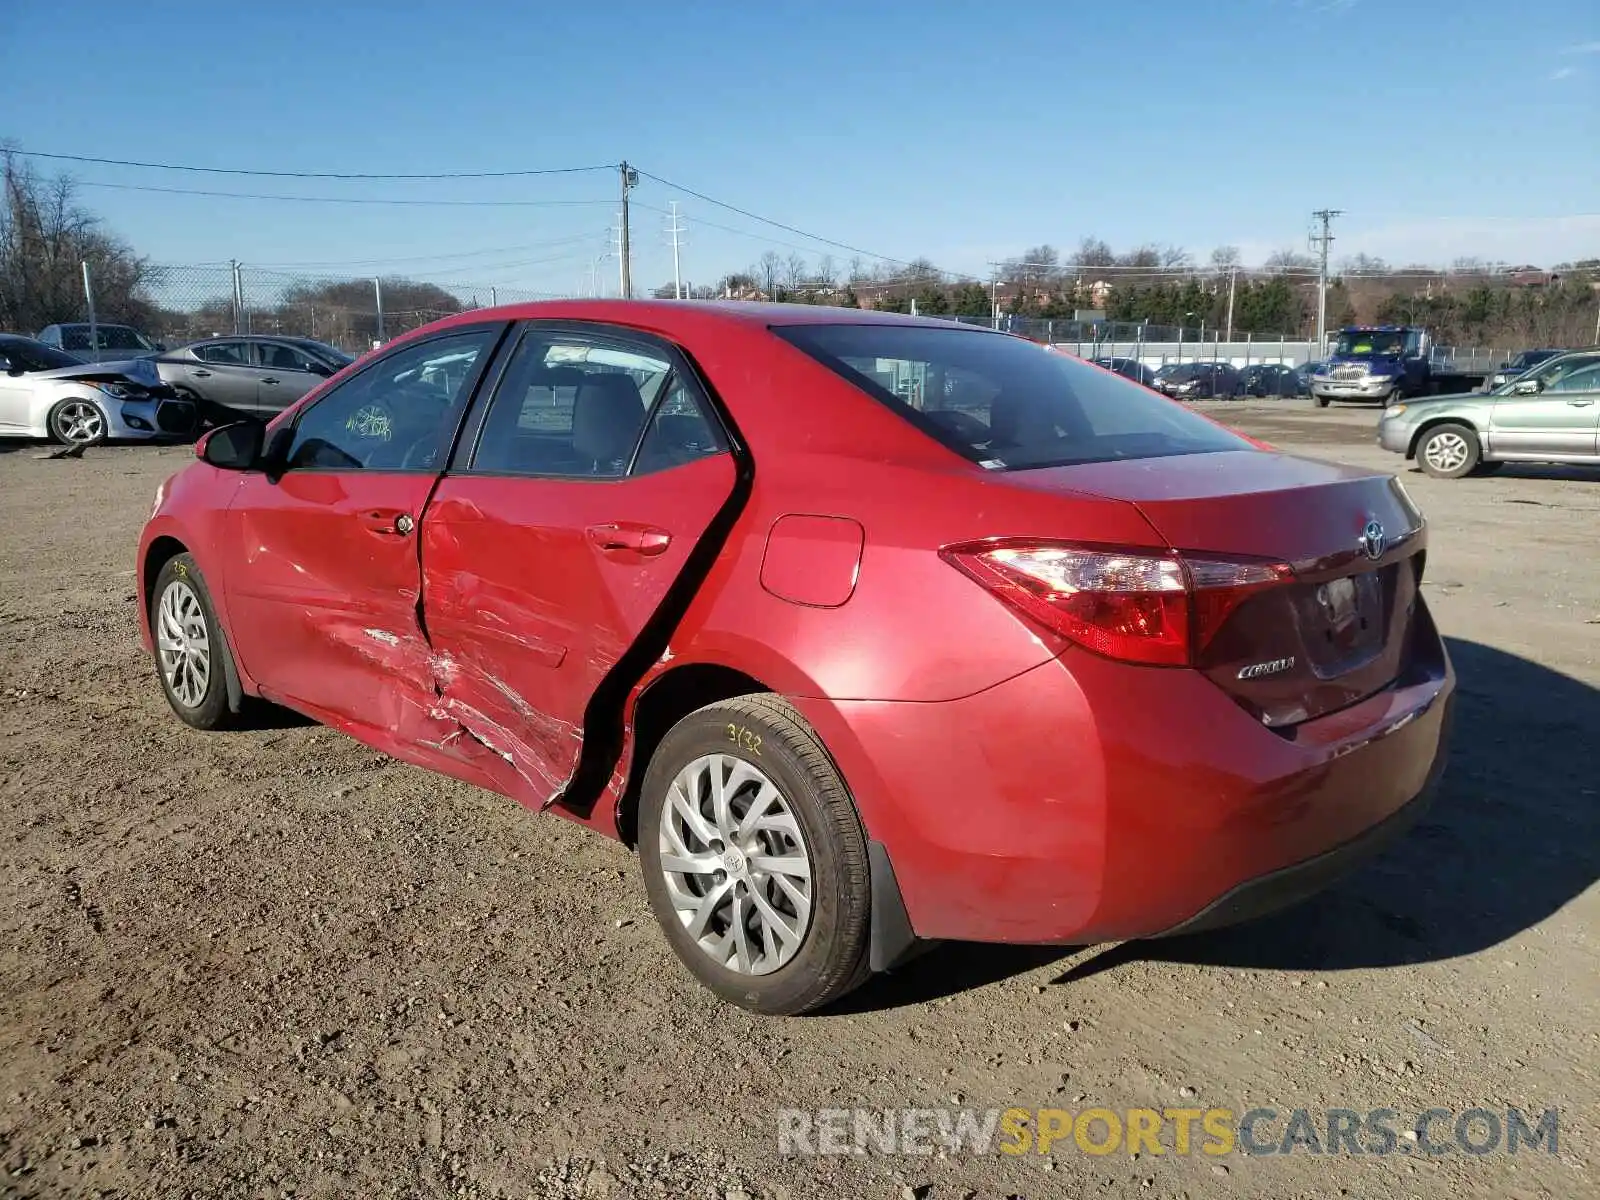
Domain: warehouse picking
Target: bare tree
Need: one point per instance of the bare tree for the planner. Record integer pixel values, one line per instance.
(794, 272)
(1092, 252)
(1176, 257)
(827, 273)
(45, 237)
(1226, 258)
(769, 271)
(1280, 261)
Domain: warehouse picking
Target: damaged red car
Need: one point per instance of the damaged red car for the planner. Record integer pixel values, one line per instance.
(865, 631)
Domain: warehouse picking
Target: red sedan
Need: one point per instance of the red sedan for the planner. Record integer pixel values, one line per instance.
(865, 630)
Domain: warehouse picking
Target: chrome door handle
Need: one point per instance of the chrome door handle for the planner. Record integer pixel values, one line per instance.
(1579, 403)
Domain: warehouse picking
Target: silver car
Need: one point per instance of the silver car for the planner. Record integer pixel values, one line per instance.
(45, 392)
(1549, 415)
(249, 375)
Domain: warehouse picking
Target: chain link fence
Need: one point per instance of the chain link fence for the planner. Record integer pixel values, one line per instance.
(177, 304)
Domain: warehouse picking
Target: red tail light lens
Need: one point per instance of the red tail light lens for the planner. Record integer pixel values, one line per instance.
(1138, 606)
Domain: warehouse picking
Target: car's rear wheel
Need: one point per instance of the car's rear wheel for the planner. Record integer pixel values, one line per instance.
(191, 653)
(77, 422)
(1449, 451)
(754, 858)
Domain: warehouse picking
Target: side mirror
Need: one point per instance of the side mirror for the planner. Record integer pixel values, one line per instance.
(322, 369)
(233, 447)
(1527, 387)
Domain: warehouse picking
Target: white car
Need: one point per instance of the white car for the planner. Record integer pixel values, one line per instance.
(45, 392)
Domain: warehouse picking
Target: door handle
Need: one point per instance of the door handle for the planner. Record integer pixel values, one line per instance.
(1579, 403)
(200, 373)
(269, 380)
(388, 522)
(625, 536)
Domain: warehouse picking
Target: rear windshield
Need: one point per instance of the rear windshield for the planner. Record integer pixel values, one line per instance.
(1005, 403)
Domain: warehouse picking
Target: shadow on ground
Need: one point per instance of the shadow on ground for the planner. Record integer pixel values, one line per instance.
(1512, 836)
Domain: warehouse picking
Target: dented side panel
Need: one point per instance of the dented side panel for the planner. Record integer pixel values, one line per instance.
(531, 597)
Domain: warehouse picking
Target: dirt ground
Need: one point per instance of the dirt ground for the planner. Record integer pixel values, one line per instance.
(276, 963)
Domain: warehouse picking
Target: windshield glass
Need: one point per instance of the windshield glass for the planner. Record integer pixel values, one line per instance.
(109, 337)
(324, 351)
(35, 356)
(1005, 403)
(1531, 358)
(1370, 342)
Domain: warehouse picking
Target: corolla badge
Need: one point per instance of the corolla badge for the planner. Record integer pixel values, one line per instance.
(1373, 542)
(1258, 670)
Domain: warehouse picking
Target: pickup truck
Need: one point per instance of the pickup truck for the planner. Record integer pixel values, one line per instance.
(1386, 363)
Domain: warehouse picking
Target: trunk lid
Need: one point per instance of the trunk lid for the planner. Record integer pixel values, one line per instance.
(1339, 629)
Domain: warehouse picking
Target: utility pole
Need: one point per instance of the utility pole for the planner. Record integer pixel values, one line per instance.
(675, 230)
(1323, 240)
(630, 178)
(1232, 275)
(88, 296)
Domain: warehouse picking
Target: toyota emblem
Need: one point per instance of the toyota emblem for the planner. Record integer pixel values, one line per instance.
(1373, 542)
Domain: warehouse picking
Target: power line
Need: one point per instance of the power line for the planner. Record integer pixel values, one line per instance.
(436, 175)
(744, 212)
(425, 258)
(141, 187)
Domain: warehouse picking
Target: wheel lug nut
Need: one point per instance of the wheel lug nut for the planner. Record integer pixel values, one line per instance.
(719, 877)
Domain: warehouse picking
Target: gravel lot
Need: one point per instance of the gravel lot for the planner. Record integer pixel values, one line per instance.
(276, 963)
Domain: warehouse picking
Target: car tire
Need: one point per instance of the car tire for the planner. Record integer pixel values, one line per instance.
(77, 422)
(183, 622)
(1449, 451)
(763, 747)
(1322, 401)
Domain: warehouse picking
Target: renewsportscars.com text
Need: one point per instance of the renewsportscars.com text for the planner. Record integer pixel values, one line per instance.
(1211, 1132)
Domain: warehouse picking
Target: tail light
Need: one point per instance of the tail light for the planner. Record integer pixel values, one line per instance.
(1136, 605)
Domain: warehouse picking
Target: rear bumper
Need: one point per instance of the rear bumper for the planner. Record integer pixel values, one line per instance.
(1028, 813)
(1290, 885)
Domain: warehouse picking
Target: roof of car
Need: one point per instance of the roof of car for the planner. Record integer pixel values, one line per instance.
(742, 312)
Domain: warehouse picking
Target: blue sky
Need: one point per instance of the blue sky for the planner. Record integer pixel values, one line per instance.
(952, 129)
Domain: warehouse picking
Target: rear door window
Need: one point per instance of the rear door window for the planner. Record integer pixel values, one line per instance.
(1005, 403)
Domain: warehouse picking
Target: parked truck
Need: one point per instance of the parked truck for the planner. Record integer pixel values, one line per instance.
(1386, 363)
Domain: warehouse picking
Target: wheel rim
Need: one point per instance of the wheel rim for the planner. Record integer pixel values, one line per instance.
(735, 864)
(79, 421)
(184, 644)
(1446, 451)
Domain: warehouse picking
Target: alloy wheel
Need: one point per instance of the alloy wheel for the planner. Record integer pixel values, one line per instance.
(736, 865)
(79, 421)
(1446, 451)
(184, 644)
